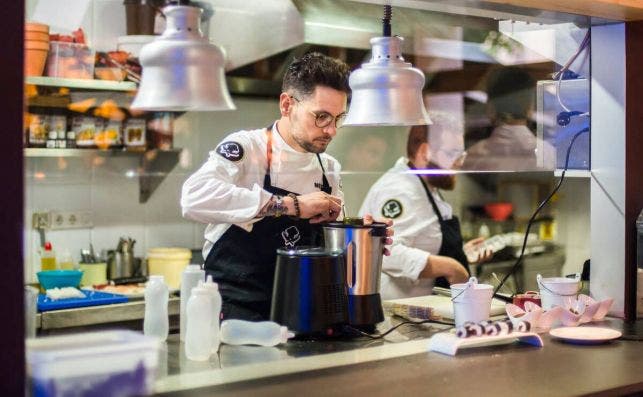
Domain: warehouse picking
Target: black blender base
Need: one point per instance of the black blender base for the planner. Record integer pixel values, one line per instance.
(365, 311)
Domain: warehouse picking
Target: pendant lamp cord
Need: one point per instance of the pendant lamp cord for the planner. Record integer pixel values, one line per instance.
(386, 21)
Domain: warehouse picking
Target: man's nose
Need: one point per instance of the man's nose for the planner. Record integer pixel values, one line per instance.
(331, 130)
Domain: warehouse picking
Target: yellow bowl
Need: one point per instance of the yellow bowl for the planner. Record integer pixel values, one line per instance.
(93, 274)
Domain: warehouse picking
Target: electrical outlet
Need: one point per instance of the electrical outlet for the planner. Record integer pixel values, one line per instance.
(71, 220)
(41, 220)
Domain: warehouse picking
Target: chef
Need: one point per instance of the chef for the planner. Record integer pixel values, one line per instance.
(268, 188)
(428, 244)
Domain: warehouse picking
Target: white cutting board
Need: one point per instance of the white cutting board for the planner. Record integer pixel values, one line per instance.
(443, 305)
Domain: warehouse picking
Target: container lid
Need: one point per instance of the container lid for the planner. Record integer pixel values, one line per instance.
(308, 251)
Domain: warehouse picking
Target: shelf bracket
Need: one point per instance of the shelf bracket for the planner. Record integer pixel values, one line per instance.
(155, 165)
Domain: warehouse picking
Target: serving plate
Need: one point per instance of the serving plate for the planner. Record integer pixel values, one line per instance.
(585, 335)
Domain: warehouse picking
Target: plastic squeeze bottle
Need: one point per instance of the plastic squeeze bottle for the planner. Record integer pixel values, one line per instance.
(189, 279)
(156, 322)
(213, 289)
(47, 258)
(198, 341)
(263, 333)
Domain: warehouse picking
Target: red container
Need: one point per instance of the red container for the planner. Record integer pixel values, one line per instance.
(498, 211)
(529, 296)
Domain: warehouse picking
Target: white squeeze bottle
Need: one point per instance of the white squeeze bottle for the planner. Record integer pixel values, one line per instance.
(198, 340)
(263, 333)
(213, 288)
(156, 322)
(189, 279)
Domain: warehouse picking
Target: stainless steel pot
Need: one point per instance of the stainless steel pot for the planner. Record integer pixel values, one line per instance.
(363, 246)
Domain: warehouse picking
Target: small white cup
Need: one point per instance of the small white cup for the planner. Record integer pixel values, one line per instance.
(471, 301)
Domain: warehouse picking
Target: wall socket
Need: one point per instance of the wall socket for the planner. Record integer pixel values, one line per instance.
(57, 220)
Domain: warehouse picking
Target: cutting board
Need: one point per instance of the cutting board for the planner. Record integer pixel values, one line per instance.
(92, 298)
(443, 305)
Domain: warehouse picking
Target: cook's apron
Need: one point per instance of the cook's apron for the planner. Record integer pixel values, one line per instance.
(452, 244)
(243, 263)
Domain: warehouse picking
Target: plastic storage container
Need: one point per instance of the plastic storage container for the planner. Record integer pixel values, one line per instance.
(198, 338)
(70, 60)
(156, 322)
(168, 262)
(263, 333)
(109, 363)
(189, 279)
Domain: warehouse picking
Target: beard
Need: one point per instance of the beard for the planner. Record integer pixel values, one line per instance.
(317, 145)
(442, 181)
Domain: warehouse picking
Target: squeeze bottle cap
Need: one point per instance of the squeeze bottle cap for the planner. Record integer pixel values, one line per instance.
(284, 335)
(191, 268)
(48, 246)
(200, 290)
(211, 284)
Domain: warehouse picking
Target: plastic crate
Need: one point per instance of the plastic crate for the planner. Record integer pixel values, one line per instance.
(110, 363)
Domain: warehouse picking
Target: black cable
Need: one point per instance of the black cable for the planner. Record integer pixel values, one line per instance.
(382, 335)
(542, 204)
(386, 21)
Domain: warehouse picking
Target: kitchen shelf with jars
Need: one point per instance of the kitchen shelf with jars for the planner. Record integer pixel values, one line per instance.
(68, 117)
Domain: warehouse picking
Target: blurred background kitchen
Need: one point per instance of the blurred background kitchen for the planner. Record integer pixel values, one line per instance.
(77, 198)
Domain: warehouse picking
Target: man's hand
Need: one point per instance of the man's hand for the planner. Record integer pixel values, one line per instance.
(444, 266)
(317, 206)
(475, 255)
(368, 219)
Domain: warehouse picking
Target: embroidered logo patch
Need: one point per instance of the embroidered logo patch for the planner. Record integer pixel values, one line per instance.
(230, 150)
(291, 236)
(392, 209)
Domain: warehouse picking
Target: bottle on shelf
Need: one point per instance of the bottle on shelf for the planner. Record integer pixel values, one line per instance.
(47, 257)
(263, 333)
(156, 321)
(189, 279)
(198, 340)
(213, 289)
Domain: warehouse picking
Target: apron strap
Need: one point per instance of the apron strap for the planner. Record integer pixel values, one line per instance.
(430, 196)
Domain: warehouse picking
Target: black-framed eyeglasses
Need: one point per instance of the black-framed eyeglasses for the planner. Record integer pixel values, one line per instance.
(323, 119)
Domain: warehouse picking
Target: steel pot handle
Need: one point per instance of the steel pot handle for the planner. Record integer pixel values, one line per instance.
(350, 264)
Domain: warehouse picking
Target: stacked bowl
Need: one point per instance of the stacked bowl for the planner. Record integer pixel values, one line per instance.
(36, 48)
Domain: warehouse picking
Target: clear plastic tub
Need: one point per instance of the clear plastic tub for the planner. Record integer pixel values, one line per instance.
(110, 363)
(70, 60)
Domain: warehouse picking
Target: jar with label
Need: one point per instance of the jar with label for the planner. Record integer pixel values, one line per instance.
(38, 130)
(85, 130)
(160, 130)
(134, 133)
(109, 134)
(58, 132)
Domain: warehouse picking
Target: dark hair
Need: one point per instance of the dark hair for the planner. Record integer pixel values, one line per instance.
(418, 135)
(313, 69)
(511, 92)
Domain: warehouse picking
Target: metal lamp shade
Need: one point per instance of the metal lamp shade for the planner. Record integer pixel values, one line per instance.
(182, 71)
(386, 90)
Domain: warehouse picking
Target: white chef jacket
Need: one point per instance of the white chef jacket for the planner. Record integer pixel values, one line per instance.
(228, 189)
(399, 195)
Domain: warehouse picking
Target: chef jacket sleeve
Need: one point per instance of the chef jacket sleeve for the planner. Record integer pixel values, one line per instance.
(405, 261)
(213, 195)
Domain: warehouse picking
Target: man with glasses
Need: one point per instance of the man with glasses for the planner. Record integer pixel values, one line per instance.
(428, 249)
(268, 188)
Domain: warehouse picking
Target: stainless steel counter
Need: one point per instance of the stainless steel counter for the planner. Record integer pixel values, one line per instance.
(121, 315)
(392, 367)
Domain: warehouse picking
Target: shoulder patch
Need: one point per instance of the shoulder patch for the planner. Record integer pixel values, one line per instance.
(230, 150)
(392, 209)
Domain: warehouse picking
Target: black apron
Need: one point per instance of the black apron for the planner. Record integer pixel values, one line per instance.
(452, 244)
(243, 263)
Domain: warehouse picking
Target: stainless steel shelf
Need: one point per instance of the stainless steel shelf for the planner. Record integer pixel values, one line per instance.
(154, 164)
(81, 84)
(573, 173)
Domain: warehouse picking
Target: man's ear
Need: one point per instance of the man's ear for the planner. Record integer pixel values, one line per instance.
(285, 104)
